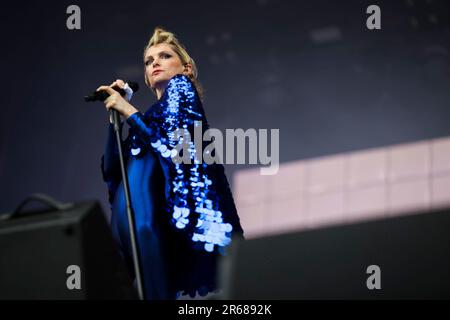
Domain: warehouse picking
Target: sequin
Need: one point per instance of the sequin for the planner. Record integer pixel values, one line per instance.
(177, 212)
(185, 212)
(209, 247)
(156, 144)
(136, 151)
(180, 225)
(162, 148)
(166, 154)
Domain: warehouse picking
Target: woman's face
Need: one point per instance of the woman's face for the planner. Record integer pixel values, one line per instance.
(161, 64)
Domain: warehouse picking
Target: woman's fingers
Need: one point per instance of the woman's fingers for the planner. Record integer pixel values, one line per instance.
(113, 101)
(120, 83)
(109, 104)
(107, 89)
(110, 101)
(117, 84)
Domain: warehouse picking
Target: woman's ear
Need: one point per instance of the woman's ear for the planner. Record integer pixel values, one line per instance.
(187, 69)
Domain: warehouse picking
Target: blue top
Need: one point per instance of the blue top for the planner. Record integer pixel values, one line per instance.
(184, 212)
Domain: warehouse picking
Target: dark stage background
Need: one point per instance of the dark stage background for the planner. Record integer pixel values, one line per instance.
(310, 68)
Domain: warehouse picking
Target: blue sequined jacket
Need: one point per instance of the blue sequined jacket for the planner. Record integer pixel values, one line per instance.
(198, 200)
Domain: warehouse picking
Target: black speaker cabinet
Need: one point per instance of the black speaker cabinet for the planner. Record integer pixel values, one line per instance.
(405, 257)
(68, 254)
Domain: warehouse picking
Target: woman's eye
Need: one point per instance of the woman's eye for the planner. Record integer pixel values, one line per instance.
(165, 55)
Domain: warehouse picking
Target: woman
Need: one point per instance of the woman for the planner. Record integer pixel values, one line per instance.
(185, 213)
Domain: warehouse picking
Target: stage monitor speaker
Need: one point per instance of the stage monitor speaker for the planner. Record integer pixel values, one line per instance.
(405, 257)
(61, 254)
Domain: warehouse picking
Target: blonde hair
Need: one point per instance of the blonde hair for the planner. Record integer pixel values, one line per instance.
(160, 35)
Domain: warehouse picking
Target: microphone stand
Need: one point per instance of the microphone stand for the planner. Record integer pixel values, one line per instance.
(130, 212)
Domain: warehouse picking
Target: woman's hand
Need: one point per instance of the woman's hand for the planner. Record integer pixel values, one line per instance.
(116, 101)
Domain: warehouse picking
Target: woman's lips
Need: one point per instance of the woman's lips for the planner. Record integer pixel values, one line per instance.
(155, 72)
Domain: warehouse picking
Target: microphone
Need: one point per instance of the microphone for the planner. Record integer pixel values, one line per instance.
(102, 95)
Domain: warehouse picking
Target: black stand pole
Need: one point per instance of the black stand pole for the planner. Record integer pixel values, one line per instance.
(130, 211)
